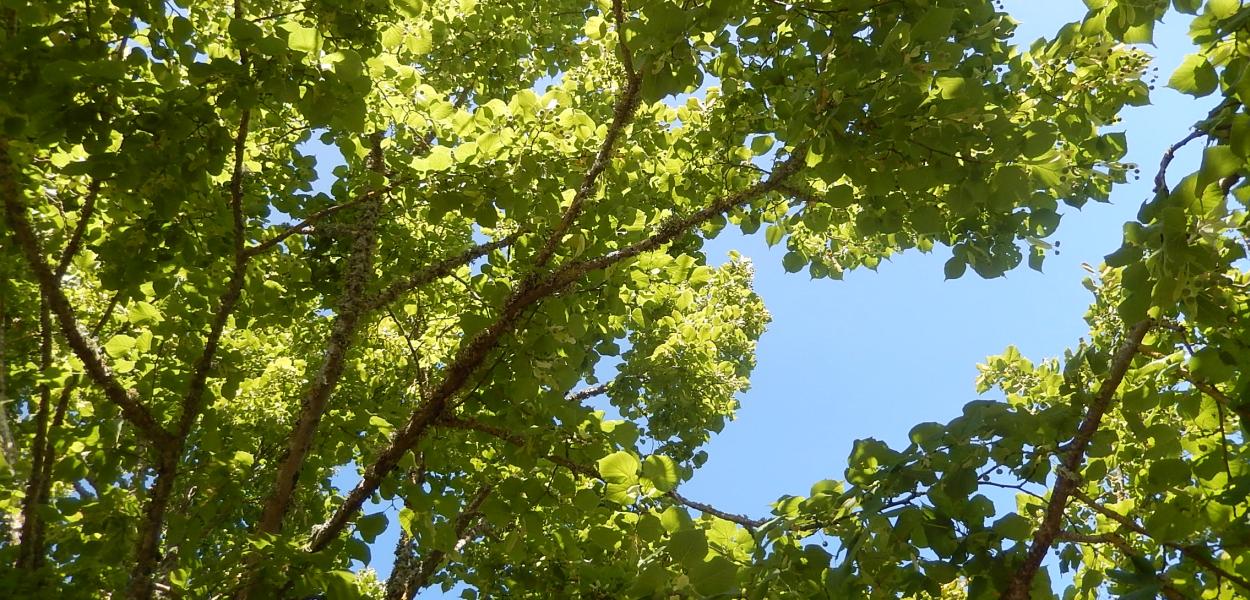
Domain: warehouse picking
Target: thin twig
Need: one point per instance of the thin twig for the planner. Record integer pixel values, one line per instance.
(1193, 553)
(1161, 178)
(302, 226)
(588, 471)
(437, 271)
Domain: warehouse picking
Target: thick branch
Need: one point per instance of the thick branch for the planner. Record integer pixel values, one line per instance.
(1092, 538)
(474, 352)
(742, 520)
(352, 305)
(7, 446)
(84, 348)
(30, 554)
(590, 392)
(44, 492)
(192, 404)
(1044, 537)
(675, 227)
(627, 57)
(147, 551)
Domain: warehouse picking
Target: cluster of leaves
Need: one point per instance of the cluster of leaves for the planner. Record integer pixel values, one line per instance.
(200, 344)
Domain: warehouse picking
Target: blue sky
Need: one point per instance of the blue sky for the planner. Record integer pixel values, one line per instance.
(881, 351)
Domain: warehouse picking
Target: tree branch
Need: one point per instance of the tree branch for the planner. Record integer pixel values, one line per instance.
(1161, 177)
(353, 304)
(743, 520)
(84, 218)
(473, 352)
(436, 271)
(30, 554)
(627, 57)
(590, 392)
(1169, 591)
(1194, 553)
(589, 471)
(1222, 399)
(84, 348)
(622, 114)
(1044, 537)
(315, 217)
(44, 491)
(7, 446)
(148, 553)
(420, 578)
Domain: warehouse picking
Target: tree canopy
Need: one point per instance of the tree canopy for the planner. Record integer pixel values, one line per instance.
(196, 343)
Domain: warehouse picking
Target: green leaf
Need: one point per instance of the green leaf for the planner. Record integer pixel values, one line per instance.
(675, 518)
(957, 88)
(407, 520)
(1218, 162)
(302, 39)
(244, 32)
(934, 24)
(243, 460)
(142, 313)
(927, 219)
(1013, 527)
(381, 425)
(1189, 7)
(1195, 76)
(596, 27)
(955, 268)
(340, 584)
(773, 234)
(717, 575)
(761, 144)
(1223, 9)
(619, 467)
(119, 345)
(700, 276)
(439, 159)
(1040, 139)
(687, 546)
(661, 472)
(840, 196)
(793, 262)
(371, 526)
(1239, 135)
(1142, 33)
(926, 435)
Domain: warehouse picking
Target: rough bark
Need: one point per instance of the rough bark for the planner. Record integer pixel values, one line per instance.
(1067, 481)
(472, 354)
